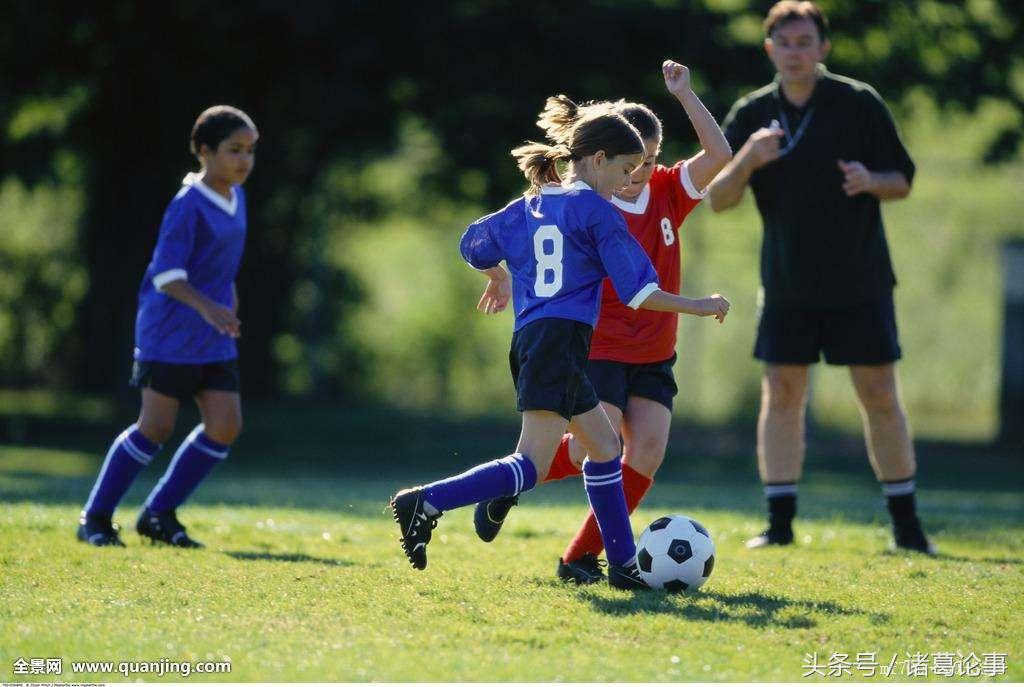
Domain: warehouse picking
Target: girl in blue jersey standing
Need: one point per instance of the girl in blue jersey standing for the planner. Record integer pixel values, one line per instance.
(185, 333)
(559, 242)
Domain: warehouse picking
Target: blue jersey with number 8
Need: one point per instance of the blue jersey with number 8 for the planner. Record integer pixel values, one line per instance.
(559, 245)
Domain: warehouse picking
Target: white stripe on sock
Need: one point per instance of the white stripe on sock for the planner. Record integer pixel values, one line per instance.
(587, 475)
(517, 473)
(771, 490)
(134, 451)
(517, 460)
(103, 472)
(174, 463)
(194, 434)
(600, 481)
(898, 488)
(617, 473)
(221, 455)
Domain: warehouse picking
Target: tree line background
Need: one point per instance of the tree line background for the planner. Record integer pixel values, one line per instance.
(385, 129)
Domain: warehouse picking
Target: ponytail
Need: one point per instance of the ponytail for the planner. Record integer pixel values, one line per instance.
(576, 132)
(539, 162)
(558, 117)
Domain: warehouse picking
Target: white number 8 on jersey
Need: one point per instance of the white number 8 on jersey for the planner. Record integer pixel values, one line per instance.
(666, 231)
(548, 262)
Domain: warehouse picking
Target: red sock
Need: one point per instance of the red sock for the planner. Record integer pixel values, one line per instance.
(561, 466)
(588, 539)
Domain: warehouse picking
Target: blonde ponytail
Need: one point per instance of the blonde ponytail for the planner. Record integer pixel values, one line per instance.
(558, 117)
(539, 162)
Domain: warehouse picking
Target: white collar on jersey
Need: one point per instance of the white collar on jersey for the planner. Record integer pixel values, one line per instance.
(635, 207)
(229, 206)
(639, 206)
(558, 189)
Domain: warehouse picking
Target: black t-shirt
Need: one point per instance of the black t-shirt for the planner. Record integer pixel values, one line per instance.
(821, 249)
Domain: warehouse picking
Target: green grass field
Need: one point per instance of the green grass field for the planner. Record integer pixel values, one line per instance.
(303, 578)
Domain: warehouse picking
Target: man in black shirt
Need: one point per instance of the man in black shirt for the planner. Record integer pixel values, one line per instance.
(820, 151)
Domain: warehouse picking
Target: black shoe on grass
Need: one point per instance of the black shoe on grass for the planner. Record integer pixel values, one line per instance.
(164, 527)
(489, 516)
(626, 577)
(98, 530)
(910, 536)
(414, 524)
(584, 570)
(771, 537)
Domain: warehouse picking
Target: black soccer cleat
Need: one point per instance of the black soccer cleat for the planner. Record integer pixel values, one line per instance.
(164, 527)
(910, 537)
(626, 577)
(489, 516)
(414, 524)
(98, 530)
(584, 570)
(771, 537)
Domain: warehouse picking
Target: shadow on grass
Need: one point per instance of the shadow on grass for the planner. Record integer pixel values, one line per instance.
(320, 439)
(950, 558)
(287, 558)
(752, 609)
(989, 561)
(365, 496)
(347, 461)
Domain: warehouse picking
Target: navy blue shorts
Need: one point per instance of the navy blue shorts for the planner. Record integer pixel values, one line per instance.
(615, 382)
(548, 361)
(862, 334)
(185, 381)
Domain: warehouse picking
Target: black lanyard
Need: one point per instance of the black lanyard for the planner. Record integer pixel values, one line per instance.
(791, 138)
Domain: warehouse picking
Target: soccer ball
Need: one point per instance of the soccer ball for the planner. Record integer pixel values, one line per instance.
(675, 553)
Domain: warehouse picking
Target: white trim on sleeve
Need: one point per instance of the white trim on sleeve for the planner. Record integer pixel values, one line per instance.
(687, 182)
(164, 278)
(642, 295)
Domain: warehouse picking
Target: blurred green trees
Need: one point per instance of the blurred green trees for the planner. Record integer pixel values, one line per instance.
(385, 129)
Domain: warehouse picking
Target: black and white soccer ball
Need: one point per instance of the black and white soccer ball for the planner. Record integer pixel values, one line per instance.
(675, 553)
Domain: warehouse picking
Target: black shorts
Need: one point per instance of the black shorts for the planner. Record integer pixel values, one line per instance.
(185, 381)
(862, 334)
(548, 361)
(615, 382)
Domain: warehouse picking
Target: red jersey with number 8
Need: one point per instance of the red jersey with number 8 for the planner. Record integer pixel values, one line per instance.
(645, 336)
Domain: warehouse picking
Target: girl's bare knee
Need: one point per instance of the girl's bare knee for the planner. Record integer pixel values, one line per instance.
(155, 430)
(224, 432)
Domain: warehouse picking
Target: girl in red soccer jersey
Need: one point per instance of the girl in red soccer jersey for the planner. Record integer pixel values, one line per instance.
(632, 352)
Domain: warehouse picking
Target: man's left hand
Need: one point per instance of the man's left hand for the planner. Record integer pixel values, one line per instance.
(858, 178)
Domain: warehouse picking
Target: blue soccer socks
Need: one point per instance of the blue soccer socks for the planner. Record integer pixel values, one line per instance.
(192, 462)
(506, 476)
(603, 482)
(129, 453)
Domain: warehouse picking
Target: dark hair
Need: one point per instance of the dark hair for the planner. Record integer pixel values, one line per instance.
(640, 116)
(217, 123)
(576, 132)
(786, 11)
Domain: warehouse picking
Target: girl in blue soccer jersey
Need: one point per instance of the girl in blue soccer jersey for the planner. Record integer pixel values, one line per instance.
(632, 351)
(559, 242)
(185, 333)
